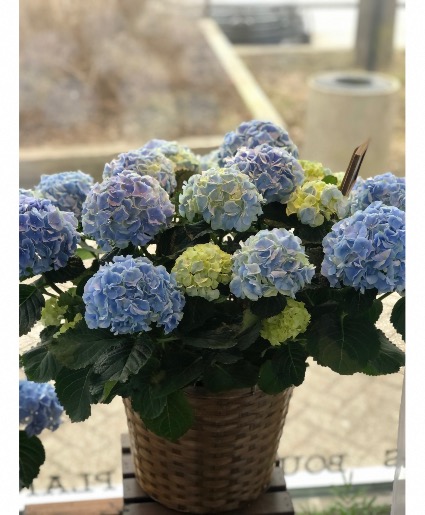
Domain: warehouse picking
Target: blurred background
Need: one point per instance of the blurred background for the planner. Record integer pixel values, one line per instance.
(101, 77)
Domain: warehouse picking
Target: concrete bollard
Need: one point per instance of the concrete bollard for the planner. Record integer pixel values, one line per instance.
(345, 109)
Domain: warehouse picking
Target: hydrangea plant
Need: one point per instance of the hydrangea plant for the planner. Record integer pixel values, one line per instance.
(39, 409)
(253, 262)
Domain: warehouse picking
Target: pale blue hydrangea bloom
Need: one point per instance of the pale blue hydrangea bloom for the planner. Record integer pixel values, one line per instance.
(144, 162)
(223, 197)
(66, 190)
(129, 294)
(367, 250)
(387, 188)
(268, 263)
(39, 407)
(126, 208)
(253, 133)
(26, 193)
(47, 236)
(181, 155)
(274, 171)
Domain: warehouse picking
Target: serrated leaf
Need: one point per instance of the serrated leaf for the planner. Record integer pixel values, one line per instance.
(73, 269)
(375, 311)
(398, 317)
(220, 377)
(342, 342)
(224, 336)
(31, 457)
(267, 307)
(175, 419)
(80, 346)
(195, 313)
(389, 359)
(31, 302)
(123, 359)
(146, 404)
(174, 240)
(73, 391)
(286, 368)
(313, 234)
(178, 369)
(84, 254)
(40, 365)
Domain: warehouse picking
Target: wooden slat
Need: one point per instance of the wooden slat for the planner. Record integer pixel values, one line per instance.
(248, 88)
(98, 507)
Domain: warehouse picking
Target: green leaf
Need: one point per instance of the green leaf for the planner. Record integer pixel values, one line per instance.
(275, 212)
(174, 240)
(220, 377)
(195, 313)
(286, 368)
(73, 391)
(175, 419)
(313, 234)
(123, 359)
(31, 457)
(267, 307)
(330, 179)
(342, 342)
(375, 311)
(84, 254)
(31, 302)
(80, 346)
(222, 337)
(389, 359)
(178, 369)
(398, 317)
(146, 404)
(40, 365)
(73, 269)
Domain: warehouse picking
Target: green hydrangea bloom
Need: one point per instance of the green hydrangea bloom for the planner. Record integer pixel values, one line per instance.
(291, 322)
(313, 170)
(201, 268)
(316, 201)
(52, 313)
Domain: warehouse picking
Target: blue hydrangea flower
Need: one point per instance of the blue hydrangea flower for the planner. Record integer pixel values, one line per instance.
(129, 294)
(387, 188)
(39, 407)
(26, 193)
(126, 208)
(268, 263)
(66, 190)
(181, 155)
(223, 197)
(274, 171)
(367, 250)
(253, 133)
(144, 162)
(47, 236)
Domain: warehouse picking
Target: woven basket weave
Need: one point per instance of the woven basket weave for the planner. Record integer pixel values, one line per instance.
(223, 462)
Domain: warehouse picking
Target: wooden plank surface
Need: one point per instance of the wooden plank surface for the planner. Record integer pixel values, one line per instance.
(98, 507)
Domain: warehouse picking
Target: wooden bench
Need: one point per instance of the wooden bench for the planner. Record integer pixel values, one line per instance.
(276, 501)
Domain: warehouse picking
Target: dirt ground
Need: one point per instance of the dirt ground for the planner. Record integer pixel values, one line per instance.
(105, 70)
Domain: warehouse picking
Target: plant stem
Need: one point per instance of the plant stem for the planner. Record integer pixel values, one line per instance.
(382, 297)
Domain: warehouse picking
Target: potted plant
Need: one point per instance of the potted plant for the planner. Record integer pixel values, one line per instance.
(196, 288)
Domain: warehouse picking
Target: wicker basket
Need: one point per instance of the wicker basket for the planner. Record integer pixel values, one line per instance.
(223, 462)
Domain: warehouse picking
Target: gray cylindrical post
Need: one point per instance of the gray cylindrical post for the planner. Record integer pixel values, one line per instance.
(345, 109)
